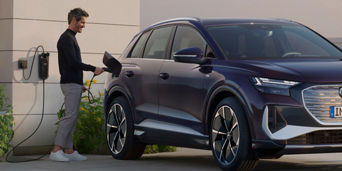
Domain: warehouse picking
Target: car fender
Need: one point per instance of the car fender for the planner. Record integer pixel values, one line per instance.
(118, 89)
(232, 90)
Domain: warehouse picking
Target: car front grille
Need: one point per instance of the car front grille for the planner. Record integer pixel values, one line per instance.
(318, 99)
(318, 137)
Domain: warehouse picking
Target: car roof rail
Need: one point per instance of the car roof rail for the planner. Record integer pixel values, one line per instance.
(175, 19)
(283, 19)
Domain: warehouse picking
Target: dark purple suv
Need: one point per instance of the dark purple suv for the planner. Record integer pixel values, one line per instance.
(246, 89)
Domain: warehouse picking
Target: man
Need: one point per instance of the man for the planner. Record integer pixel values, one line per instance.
(71, 69)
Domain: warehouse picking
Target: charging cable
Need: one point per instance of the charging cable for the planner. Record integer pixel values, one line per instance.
(89, 95)
(90, 98)
(41, 118)
(34, 57)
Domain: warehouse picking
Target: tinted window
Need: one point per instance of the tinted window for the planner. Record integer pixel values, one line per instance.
(138, 46)
(274, 41)
(156, 44)
(187, 37)
(301, 44)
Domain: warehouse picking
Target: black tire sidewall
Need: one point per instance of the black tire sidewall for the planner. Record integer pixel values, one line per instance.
(244, 143)
(129, 142)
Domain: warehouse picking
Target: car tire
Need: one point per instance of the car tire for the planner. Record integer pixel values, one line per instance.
(120, 131)
(229, 137)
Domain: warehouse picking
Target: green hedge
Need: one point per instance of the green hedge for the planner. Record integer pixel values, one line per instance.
(6, 124)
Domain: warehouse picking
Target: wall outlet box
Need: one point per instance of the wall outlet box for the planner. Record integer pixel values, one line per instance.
(22, 64)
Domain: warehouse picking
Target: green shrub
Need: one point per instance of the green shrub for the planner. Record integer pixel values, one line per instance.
(6, 123)
(89, 135)
(158, 148)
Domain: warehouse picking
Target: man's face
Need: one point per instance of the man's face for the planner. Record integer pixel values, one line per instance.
(78, 25)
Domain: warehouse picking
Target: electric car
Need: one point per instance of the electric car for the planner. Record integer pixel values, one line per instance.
(243, 88)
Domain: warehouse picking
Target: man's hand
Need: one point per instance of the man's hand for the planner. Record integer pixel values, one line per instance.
(84, 89)
(98, 71)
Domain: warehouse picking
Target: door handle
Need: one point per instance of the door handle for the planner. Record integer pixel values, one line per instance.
(129, 73)
(164, 76)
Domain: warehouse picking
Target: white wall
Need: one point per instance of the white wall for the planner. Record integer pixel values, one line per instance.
(112, 23)
(323, 16)
(26, 24)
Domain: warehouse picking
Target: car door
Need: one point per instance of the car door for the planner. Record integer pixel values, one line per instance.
(141, 71)
(181, 93)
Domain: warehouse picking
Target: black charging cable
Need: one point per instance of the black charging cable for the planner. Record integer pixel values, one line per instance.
(41, 118)
(90, 98)
(90, 95)
(34, 57)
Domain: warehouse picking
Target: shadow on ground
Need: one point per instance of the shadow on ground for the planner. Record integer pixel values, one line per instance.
(208, 162)
(290, 166)
(203, 161)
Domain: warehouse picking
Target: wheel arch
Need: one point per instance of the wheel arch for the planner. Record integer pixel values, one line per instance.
(218, 95)
(117, 91)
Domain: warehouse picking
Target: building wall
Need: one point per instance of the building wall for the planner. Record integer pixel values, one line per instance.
(26, 24)
(6, 44)
(321, 15)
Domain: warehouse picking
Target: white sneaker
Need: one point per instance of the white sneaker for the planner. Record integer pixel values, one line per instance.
(75, 156)
(58, 156)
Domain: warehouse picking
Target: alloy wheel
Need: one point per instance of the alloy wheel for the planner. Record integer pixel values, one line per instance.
(225, 135)
(116, 128)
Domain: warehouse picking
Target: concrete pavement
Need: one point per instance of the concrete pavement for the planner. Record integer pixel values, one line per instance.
(183, 159)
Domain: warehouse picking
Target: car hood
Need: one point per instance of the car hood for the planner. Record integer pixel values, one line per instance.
(303, 70)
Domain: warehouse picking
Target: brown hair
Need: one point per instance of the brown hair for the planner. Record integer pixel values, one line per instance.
(78, 13)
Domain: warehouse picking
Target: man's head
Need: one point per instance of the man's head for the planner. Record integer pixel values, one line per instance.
(76, 19)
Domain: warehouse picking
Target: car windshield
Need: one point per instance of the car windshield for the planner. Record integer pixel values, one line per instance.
(271, 41)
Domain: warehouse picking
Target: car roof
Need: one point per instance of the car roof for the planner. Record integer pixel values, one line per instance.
(221, 21)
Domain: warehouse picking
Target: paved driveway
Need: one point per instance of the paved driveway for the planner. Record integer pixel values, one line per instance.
(183, 159)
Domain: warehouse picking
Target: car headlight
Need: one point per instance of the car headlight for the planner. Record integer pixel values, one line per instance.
(273, 86)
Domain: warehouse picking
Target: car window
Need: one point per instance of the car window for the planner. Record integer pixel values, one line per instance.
(187, 37)
(135, 53)
(303, 45)
(209, 52)
(156, 44)
(270, 41)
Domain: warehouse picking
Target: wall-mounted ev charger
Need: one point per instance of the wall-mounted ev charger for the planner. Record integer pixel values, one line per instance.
(43, 65)
(43, 73)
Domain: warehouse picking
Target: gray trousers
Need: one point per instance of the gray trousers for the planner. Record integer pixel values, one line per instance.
(72, 97)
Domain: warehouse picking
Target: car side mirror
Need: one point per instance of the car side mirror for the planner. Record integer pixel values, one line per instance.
(190, 55)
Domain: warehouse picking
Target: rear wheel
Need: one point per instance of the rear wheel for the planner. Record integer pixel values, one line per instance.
(120, 131)
(229, 137)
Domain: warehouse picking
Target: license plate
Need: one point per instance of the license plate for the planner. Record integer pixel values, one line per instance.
(335, 112)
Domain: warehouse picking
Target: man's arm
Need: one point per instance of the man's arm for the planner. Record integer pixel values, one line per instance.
(67, 47)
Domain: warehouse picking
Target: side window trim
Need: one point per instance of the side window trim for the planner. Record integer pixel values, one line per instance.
(143, 45)
(128, 48)
(168, 40)
(207, 46)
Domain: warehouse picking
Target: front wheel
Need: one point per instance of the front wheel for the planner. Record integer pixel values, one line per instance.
(120, 131)
(229, 137)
